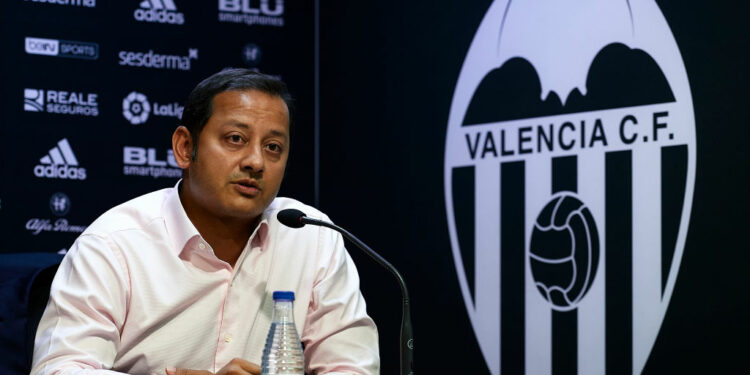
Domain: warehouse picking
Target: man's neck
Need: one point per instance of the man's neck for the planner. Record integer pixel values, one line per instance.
(227, 236)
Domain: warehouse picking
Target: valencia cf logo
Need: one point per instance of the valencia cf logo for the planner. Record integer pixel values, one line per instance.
(570, 164)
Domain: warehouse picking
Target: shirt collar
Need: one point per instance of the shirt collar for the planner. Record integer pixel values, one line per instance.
(181, 230)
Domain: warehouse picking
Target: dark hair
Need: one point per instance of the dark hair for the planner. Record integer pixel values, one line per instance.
(199, 106)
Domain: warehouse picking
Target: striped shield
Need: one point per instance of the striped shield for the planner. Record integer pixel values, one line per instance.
(569, 172)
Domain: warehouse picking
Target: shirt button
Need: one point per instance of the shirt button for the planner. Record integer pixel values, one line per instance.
(227, 338)
(201, 246)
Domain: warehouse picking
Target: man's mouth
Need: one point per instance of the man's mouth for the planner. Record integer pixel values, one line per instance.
(247, 187)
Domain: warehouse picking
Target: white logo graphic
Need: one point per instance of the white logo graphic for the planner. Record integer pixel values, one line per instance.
(139, 161)
(136, 108)
(156, 61)
(60, 163)
(60, 205)
(75, 3)
(252, 12)
(569, 172)
(62, 48)
(251, 54)
(63, 102)
(33, 100)
(159, 11)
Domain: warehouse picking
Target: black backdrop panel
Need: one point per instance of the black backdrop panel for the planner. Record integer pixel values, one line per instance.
(114, 57)
(387, 85)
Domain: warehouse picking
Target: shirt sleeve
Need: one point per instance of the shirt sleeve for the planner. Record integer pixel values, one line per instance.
(79, 332)
(339, 336)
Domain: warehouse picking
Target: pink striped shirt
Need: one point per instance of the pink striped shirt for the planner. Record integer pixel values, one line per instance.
(141, 290)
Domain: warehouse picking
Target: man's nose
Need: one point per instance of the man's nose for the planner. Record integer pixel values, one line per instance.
(253, 159)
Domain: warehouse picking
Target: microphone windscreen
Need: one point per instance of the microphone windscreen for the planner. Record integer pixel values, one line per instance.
(291, 217)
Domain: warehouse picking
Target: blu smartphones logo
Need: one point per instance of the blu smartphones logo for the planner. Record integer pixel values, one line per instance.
(159, 11)
(62, 102)
(141, 161)
(158, 61)
(252, 12)
(569, 171)
(60, 163)
(62, 48)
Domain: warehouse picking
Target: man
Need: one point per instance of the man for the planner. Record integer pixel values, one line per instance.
(180, 280)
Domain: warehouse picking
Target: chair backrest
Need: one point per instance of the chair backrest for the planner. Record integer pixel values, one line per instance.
(37, 297)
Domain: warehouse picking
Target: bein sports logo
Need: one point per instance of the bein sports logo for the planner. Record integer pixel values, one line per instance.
(159, 11)
(557, 135)
(136, 108)
(60, 163)
(61, 48)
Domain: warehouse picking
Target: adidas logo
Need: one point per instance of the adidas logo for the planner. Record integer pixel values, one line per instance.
(159, 11)
(60, 162)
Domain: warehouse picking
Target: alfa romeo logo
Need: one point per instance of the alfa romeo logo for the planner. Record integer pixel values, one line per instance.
(569, 174)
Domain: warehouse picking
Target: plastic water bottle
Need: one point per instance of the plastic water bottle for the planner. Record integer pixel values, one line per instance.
(282, 354)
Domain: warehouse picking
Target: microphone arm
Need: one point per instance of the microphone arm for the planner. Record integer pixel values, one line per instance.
(407, 336)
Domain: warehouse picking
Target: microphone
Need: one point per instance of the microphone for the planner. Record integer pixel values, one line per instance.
(297, 219)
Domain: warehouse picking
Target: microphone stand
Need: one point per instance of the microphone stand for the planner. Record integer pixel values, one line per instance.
(407, 337)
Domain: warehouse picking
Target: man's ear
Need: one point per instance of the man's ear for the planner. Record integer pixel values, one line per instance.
(182, 147)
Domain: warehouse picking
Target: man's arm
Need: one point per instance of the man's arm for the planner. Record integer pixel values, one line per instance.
(339, 336)
(79, 332)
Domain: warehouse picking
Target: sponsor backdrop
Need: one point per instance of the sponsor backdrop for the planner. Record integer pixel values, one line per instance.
(93, 90)
(561, 183)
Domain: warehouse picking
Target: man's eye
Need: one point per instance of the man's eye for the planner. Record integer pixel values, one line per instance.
(273, 147)
(234, 138)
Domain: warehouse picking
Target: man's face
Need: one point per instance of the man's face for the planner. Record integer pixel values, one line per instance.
(241, 156)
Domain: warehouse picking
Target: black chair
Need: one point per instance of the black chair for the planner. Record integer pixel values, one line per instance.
(25, 280)
(38, 295)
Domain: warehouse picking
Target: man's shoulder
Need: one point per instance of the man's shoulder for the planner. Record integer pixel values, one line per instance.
(282, 203)
(136, 213)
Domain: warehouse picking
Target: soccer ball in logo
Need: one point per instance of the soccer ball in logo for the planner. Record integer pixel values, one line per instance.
(564, 253)
(135, 108)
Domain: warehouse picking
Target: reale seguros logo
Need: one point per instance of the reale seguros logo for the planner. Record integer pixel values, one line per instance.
(59, 101)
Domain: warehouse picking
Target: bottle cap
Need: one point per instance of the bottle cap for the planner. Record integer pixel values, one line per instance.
(283, 296)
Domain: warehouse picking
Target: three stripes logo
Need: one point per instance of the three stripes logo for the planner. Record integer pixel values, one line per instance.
(159, 11)
(60, 163)
(569, 172)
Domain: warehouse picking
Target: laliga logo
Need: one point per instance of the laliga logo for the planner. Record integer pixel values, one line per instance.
(135, 108)
(569, 173)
